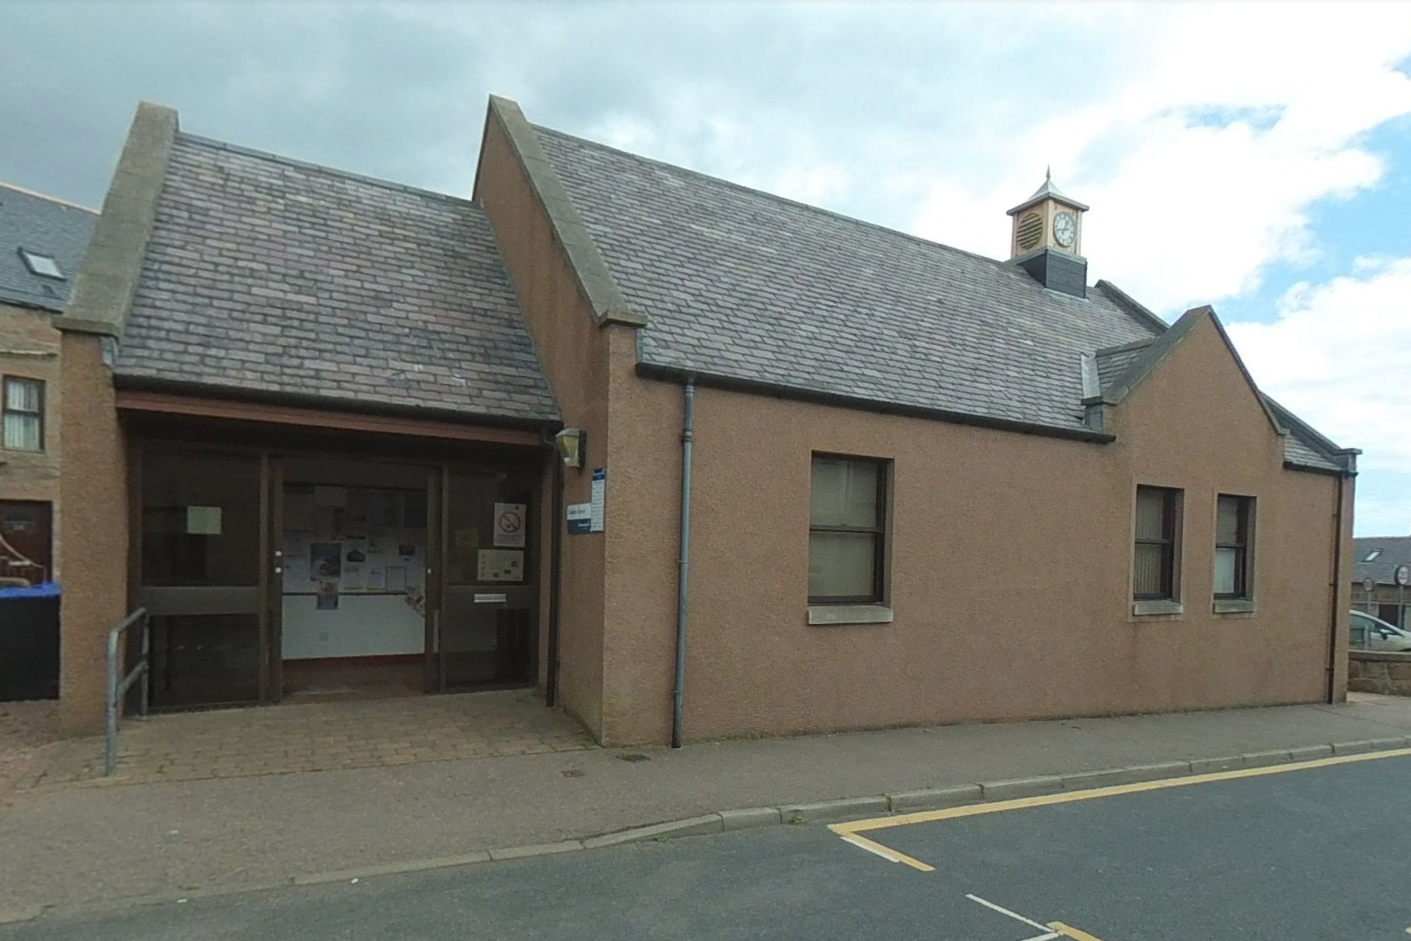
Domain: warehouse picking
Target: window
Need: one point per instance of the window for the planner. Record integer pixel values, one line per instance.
(1158, 527)
(1233, 519)
(41, 264)
(23, 428)
(847, 530)
(1362, 626)
(1372, 556)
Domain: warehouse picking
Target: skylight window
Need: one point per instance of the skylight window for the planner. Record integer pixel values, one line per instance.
(1372, 556)
(43, 265)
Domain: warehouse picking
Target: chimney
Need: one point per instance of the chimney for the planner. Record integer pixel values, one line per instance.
(1047, 240)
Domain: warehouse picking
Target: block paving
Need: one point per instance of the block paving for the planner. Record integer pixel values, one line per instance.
(307, 737)
(25, 729)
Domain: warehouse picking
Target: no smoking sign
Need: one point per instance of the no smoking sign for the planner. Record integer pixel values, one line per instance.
(510, 525)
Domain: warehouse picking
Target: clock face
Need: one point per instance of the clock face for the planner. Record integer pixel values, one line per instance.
(1065, 229)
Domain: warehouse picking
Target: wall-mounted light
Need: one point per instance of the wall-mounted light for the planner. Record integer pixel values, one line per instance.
(572, 445)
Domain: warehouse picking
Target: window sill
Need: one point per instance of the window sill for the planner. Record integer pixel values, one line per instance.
(849, 614)
(1157, 608)
(1233, 606)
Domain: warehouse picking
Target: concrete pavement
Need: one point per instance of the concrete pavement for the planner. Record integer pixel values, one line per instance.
(94, 844)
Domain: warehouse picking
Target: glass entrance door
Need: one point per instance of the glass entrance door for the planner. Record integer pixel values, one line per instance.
(484, 616)
(201, 517)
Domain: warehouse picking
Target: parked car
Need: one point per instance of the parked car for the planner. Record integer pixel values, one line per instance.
(1369, 633)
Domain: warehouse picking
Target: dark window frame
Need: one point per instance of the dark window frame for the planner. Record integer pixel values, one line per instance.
(878, 530)
(37, 414)
(1169, 542)
(1244, 536)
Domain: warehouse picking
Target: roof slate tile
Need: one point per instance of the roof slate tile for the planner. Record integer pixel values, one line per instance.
(45, 226)
(743, 285)
(267, 275)
(740, 284)
(1396, 550)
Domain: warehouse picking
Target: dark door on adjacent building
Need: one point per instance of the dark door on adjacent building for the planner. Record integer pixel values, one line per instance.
(27, 540)
(482, 620)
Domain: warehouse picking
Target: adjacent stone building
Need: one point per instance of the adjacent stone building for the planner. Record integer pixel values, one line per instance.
(42, 242)
(696, 460)
(1377, 558)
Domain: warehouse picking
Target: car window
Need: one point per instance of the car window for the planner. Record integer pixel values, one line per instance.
(1361, 629)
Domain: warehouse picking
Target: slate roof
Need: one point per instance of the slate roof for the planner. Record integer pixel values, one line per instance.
(265, 275)
(46, 226)
(743, 285)
(1114, 361)
(1396, 550)
(739, 284)
(1304, 446)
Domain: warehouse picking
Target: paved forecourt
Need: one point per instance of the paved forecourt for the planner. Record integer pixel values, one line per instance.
(1315, 850)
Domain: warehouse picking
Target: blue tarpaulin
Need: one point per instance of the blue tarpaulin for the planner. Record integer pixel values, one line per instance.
(42, 590)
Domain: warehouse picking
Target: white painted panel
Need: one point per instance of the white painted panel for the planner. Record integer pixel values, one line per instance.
(362, 626)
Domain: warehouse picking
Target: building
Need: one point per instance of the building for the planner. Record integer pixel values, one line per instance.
(1377, 558)
(42, 241)
(699, 461)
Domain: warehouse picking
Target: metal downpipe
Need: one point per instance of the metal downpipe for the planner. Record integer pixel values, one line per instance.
(683, 561)
(1337, 590)
(551, 679)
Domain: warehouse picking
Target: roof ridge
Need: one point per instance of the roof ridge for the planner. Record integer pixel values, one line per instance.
(1124, 347)
(45, 196)
(1318, 440)
(1001, 265)
(1133, 308)
(320, 168)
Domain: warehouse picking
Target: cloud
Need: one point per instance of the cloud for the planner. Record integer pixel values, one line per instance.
(1383, 506)
(1203, 157)
(1339, 355)
(1207, 131)
(1204, 136)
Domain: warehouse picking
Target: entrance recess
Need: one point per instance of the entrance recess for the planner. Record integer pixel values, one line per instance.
(353, 582)
(484, 621)
(326, 574)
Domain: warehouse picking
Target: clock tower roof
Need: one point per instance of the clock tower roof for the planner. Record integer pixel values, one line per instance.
(1045, 192)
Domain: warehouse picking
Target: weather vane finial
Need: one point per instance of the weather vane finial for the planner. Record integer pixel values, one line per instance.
(1048, 173)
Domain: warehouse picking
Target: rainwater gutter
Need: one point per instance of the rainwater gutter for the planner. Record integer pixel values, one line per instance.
(683, 560)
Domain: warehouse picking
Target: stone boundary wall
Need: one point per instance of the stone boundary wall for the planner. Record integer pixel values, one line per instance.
(1371, 671)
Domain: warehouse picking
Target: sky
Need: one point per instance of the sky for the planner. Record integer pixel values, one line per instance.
(1254, 157)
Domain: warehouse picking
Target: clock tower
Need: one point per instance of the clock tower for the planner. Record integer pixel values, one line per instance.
(1047, 239)
(1047, 219)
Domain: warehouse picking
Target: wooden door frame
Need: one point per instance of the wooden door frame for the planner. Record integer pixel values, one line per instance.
(271, 578)
(433, 669)
(270, 509)
(438, 549)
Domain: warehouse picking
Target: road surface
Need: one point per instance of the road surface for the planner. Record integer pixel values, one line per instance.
(1320, 853)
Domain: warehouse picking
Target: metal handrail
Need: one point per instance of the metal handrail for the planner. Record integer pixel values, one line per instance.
(116, 689)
